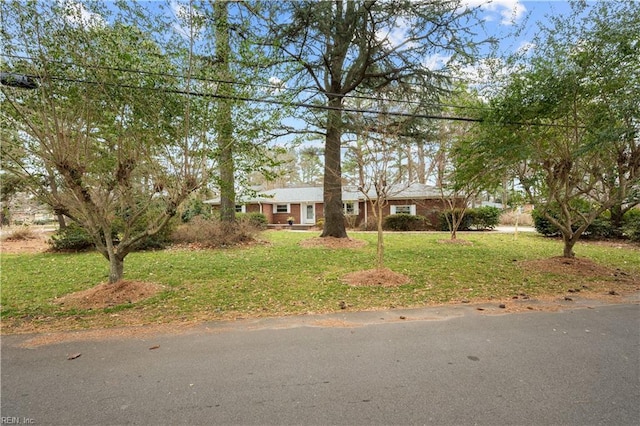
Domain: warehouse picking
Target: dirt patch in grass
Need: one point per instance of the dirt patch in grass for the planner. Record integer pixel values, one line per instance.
(109, 295)
(333, 243)
(33, 242)
(383, 277)
(577, 266)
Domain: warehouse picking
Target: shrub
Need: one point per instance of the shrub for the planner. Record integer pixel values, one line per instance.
(465, 224)
(75, 238)
(193, 208)
(543, 225)
(405, 222)
(72, 237)
(369, 225)
(631, 225)
(258, 220)
(213, 232)
(484, 217)
(600, 228)
(159, 240)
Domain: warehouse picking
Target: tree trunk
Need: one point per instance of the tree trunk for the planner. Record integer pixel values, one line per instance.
(116, 268)
(224, 120)
(421, 168)
(569, 242)
(617, 214)
(334, 225)
(62, 223)
(380, 248)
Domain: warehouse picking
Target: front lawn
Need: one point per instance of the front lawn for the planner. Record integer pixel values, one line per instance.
(280, 277)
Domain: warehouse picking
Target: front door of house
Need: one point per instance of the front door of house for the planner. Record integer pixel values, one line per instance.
(309, 213)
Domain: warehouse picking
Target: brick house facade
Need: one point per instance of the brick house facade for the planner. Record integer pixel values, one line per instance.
(305, 204)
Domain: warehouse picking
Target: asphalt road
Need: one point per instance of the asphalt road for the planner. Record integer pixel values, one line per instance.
(438, 366)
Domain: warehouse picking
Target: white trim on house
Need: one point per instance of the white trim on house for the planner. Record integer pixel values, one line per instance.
(397, 209)
(308, 213)
(351, 207)
(277, 206)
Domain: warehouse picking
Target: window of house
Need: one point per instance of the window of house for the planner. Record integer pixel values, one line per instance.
(406, 209)
(241, 208)
(281, 208)
(350, 207)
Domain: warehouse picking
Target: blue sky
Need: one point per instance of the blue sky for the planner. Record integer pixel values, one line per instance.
(503, 16)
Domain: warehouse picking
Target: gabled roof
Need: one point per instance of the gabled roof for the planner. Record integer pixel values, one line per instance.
(314, 194)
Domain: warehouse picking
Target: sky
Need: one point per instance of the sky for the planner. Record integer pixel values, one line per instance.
(500, 16)
(503, 16)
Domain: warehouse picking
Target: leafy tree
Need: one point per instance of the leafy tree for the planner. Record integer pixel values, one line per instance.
(566, 122)
(374, 156)
(345, 47)
(461, 170)
(113, 135)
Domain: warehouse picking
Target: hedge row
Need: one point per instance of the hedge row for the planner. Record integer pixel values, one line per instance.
(405, 222)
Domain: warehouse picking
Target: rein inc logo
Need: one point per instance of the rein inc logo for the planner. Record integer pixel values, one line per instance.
(17, 421)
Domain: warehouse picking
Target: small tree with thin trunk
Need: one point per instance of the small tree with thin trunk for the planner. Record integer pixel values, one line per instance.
(373, 151)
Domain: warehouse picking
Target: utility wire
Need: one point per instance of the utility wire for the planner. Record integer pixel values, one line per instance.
(302, 104)
(253, 84)
(268, 101)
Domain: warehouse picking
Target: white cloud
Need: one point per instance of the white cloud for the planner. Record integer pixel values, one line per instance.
(396, 34)
(436, 62)
(77, 14)
(508, 11)
(277, 85)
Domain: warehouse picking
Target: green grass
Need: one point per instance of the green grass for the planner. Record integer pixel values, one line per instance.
(282, 278)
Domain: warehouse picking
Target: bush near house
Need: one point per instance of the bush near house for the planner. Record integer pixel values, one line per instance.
(483, 218)
(446, 218)
(212, 232)
(405, 222)
(480, 219)
(256, 219)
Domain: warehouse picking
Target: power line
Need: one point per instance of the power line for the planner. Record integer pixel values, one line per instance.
(268, 101)
(298, 104)
(253, 84)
